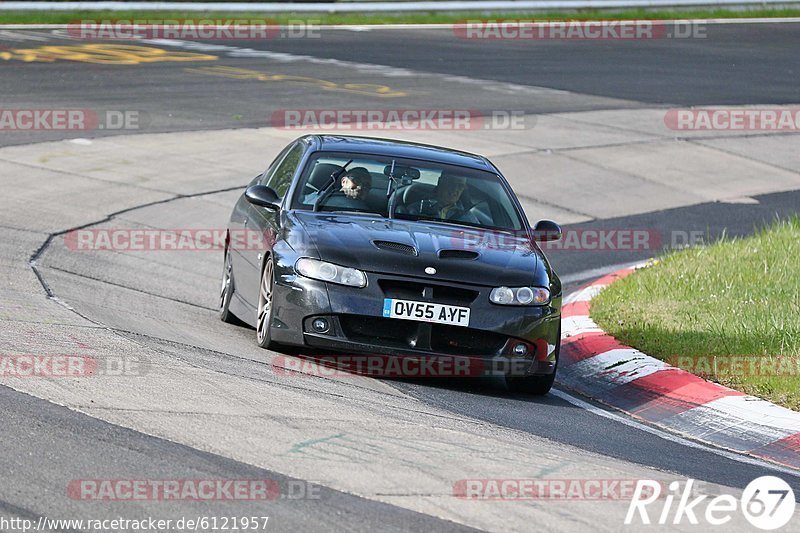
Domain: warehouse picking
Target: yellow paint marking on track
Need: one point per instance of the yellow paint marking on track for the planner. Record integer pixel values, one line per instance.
(106, 54)
(364, 89)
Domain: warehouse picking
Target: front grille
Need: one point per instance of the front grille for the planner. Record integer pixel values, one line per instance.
(404, 290)
(458, 254)
(453, 295)
(465, 341)
(399, 247)
(411, 335)
(373, 329)
(443, 294)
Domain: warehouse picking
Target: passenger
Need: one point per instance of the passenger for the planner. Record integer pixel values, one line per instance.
(356, 183)
(355, 186)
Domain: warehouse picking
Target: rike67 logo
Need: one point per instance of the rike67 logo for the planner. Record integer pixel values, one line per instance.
(767, 503)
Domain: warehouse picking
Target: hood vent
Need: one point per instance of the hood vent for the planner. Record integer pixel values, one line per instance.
(457, 254)
(398, 247)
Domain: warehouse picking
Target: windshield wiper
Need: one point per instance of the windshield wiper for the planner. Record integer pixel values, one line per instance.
(390, 189)
(326, 191)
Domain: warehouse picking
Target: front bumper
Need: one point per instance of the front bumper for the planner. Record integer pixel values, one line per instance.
(356, 324)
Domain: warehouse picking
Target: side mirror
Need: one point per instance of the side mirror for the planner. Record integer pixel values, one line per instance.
(263, 196)
(546, 231)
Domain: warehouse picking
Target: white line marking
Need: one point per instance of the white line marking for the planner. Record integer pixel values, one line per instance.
(7, 35)
(369, 27)
(747, 412)
(626, 365)
(670, 437)
(532, 18)
(584, 295)
(723, 429)
(367, 68)
(577, 325)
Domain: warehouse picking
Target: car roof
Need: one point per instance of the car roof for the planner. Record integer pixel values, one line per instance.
(404, 149)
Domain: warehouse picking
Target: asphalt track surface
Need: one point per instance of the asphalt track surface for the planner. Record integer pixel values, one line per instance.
(732, 64)
(738, 64)
(73, 441)
(728, 65)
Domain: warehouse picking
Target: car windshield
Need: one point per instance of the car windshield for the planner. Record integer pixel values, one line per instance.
(420, 190)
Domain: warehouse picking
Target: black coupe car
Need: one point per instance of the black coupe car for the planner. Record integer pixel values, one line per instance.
(373, 246)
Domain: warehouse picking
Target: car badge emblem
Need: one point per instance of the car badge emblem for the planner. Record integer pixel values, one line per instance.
(430, 270)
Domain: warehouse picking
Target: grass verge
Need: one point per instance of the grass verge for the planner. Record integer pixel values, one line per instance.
(729, 312)
(66, 17)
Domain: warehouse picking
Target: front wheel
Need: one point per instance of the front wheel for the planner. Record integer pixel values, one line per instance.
(536, 385)
(265, 306)
(226, 292)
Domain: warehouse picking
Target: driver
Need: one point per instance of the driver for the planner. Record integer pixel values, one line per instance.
(447, 202)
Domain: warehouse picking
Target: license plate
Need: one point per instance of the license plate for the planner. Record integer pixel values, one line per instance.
(426, 312)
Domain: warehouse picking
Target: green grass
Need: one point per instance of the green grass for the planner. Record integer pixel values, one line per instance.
(737, 300)
(65, 17)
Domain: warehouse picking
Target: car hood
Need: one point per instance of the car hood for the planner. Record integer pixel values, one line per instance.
(497, 258)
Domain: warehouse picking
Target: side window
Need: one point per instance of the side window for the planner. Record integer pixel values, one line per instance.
(282, 176)
(263, 179)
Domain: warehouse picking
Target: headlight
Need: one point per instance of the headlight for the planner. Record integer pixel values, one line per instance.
(520, 296)
(324, 271)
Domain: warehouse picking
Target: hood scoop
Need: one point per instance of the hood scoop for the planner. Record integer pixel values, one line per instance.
(398, 247)
(458, 254)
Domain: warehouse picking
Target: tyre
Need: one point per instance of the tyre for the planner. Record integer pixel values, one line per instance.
(535, 385)
(226, 291)
(265, 307)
